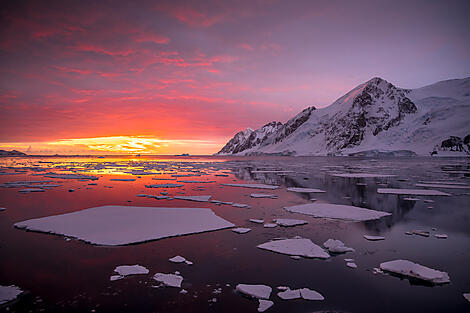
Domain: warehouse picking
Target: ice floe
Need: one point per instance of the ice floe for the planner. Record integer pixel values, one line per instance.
(269, 225)
(262, 195)
(255, 291)
(361, 175)
(122, 179)
(125, 270)
(264, 305)
(257, 221)
(28, 190)
(336, 246)
(304, 293)
(351, 265)
(337, 211)
(450, 186)
(305, 190)
(441, 236)
(374, 238)
(240, 205)
(194, 198)
(171, 280)
(71, 176)
(467, 296)
(9, 293)
(177, 259)
(256, 186)
(287, 222)
(164, 186)
(408, 268)
(414, 192)
(296, 246)
(241, 230)
(121, 225)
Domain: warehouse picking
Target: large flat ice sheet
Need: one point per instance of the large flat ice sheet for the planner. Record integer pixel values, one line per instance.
(120, 225)
(338, 211)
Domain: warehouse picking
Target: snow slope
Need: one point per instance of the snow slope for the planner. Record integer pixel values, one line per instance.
(375, 115)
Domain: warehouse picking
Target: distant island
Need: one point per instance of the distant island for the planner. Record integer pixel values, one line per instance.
(4, 153)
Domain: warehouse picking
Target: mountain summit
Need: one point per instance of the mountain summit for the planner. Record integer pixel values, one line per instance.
(374, 116)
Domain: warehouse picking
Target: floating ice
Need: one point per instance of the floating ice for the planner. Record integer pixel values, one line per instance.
(197, 181)
(467, 296)
(171, 280)
(336, 246)
(122, 179)
(9, 293)
(411, 199)
(361, 175)
(241, 230)
(448, 186)
(262, 195)
(414, 192)
(286, 222)
(289, 294)
(338, 211)
(351, 265)
(264, 305)
(194, 198)
(304, 293)
(256, 186)
(301, 247)
(121, 225)
(408, 268)
(374, 238)
(115, 277)
(269, 225)
(421, 233)
(441, 236)
(71, 176)
(271, 172)
(2, 209)
(28, 190)
(304, 190)
(164, 186)
(255, 291)
(257, 221)
(125, 270)
(240, 205)
(177, 259)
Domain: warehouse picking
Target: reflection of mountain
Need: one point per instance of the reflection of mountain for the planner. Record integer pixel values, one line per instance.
(337, 189)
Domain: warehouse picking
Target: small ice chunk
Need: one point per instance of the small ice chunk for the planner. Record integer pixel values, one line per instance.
(142, 195)
(289, 294)
(183, 291)
(122, 179)
(188, 262)
(337, 211)
(305, 190)
(444, 186)
(295, 257)
(413, 192)
(257, 221)
(269, 225)
(177, 259)
(336, 246)
(9, 293)
(27, 190)
(441, 236)
(297, 246)
(287, 222)
(309, 294)
(349, 260)
(377, 270)
(116, 277)
(361, 175)
(240, 205)
(428, 201)
(164, 186)
(256, 186)
(467, 296)
(421, 233)
(411, 199)
(171, 280)
(194, 198)
(255, 291)
(241, 230)
(374, 238)
(351, 265)
(264, 305)
(282, 287)
(125, 270)
(408, 268)
(2, 209)
(262, 195)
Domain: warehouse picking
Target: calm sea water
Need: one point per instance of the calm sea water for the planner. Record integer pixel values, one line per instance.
(72, 276)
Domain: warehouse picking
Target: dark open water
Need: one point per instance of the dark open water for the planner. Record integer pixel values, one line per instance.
(72, 276)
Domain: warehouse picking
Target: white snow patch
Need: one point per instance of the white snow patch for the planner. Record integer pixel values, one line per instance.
(337, 211)
(408, 268)
(300, 247)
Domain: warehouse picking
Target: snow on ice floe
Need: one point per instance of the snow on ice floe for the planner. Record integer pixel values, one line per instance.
(171, 280)
(444, 186)
(362, 175)
(305, 190)
(256, 186)
(373, 238)
(414, 192)
(194, 198)
(288, 222)
(9, 293)
(304, 293)
(414, 270)
(121, 225)
(296, 246)
(263, 195)
(126, 270)
(241, 230)
(255, 291)
(336, 246)
(164, 186)
(264, 305)
(337, 211)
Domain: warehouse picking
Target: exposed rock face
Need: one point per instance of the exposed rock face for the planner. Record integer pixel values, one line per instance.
(374, 116)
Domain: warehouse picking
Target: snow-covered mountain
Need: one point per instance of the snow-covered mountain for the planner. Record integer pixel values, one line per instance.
(374, 116)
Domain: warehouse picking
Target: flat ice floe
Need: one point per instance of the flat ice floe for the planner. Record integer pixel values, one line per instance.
(304, 293)
(241, 230)
(194, 198)
(121, 225)
(171, 280)
(408, 268)
(337, 211)
(288, 222)
(336, 246)
(126, 270)
(255, 291)
(467, 296)
(122, 179)
(362, 175)
(305, 190)
(257, 221)
(256, 186)
(9, 293)
(264, 305)
(296, 246)
(373, 238)
(262, 195)
(71, 176)
(448, 186)
(164, 186)
(28, 190)
(414, 192)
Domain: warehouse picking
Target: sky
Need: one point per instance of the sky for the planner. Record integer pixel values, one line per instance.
(170, 77)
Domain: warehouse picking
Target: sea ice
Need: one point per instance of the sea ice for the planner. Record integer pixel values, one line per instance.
(2, 209)
(414, 192)
(351, 265)
(361, 175)
(449, 186)
(121, 225)
(408, 268)
(337, 211)
(257, 221)
(171, 280)
(9, 293)
(297, 246)
(255, 291)
(71, 176)
(164, 185)
(256, 186)
(269, 225)
(304, 190)
(240, 205)
(125, 270)
(122, 179)
(177, 259)
(197, 181)
(289, 294)
(467, 296)
(264, 305)
(286, 222)
(374, 238)
(28, 190)
(194, 198)
(241, 230)
(309, 294)
(262, 195)
(336, 246)
(115, 277)
(441, 236)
